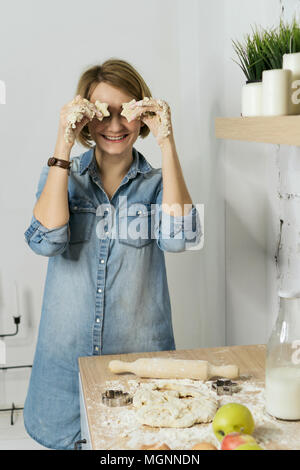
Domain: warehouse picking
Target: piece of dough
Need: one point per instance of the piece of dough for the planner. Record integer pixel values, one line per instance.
(163, 113)
(129, 112)
(79, 108)
(173, 407)
(102, 107)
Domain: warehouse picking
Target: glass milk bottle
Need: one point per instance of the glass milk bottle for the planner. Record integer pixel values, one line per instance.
(282, 387)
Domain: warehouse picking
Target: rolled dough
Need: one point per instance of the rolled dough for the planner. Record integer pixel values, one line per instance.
(173, 406)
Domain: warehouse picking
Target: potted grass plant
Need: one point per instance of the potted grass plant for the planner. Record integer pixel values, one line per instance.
(269, 60)
(251, 61)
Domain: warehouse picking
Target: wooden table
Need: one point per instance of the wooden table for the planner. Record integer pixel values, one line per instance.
(94, 376)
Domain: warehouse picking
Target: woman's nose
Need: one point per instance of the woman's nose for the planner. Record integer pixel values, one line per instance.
(115, 123)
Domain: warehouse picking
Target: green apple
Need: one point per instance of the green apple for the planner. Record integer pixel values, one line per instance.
(249, 446)
(232, 417)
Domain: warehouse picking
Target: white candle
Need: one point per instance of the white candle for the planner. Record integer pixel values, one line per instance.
(276, 87)
(252, 99)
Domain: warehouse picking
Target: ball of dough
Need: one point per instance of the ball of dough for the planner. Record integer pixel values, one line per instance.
(171, 408)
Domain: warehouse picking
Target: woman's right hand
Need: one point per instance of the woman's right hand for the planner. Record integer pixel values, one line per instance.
(64, 129)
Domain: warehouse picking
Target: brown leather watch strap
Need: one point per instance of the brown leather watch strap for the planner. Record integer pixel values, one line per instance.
(53, 161)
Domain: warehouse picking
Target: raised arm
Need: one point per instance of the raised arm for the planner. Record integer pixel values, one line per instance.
(52, 209)
(178, 220)
(48, 233)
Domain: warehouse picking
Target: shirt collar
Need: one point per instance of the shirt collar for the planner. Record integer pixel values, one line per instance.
(139, 164)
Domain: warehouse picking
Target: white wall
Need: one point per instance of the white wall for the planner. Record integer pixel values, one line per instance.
(200, 54)
(247, 194)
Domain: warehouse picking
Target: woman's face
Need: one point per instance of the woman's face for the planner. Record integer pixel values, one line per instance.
(114, 125)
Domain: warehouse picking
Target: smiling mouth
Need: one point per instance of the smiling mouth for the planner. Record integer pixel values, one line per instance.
(115, 139)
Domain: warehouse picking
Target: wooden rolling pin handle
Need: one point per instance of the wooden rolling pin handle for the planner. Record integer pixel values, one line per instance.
(230, 371)
(118, 367)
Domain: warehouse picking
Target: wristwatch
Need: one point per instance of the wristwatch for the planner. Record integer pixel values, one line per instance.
(53, 161)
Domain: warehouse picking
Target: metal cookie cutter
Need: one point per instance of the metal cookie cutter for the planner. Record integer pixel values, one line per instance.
(116, 398)
(225, 387)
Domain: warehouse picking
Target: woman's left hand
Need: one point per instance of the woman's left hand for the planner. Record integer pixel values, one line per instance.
(156, 114)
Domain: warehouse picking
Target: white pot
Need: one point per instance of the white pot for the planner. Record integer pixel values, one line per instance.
(292, 62)
(276, 92)
(252, 99)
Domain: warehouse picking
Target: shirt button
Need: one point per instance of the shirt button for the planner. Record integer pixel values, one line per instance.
(75, 208)
(102, 261)
(100, 290)
(98, 320)
(96, 348)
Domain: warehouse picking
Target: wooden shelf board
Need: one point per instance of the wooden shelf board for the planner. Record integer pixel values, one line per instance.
(266, 129)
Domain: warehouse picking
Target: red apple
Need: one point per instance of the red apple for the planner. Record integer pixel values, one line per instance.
(236, 439)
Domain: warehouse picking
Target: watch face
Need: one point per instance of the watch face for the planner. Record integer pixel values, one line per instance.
(52, 161)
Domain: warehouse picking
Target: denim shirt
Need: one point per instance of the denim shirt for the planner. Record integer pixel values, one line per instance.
(103, 294)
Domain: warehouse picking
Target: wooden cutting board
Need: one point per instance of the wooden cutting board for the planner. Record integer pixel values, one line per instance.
(109, 427)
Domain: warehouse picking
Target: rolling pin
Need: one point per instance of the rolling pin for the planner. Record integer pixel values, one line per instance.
(159, 368)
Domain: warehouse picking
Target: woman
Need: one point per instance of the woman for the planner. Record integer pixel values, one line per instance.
(104, 294)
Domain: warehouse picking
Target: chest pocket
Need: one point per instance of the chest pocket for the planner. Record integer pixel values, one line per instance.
(136, 228)
(82, 220)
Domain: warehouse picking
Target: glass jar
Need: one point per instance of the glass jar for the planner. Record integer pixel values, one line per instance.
(282, 386)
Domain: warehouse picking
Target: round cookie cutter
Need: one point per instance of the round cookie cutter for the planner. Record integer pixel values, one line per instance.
(116, 398)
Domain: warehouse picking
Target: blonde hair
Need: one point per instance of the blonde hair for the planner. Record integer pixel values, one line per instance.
(118, 73)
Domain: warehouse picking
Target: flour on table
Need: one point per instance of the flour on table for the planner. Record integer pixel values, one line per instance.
(118, 428)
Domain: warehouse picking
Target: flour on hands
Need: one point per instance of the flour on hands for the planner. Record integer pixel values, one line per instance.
(154, 113)
(79, 108)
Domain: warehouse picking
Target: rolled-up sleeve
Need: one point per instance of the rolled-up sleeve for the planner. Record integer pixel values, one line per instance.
(177, 233)
(42, 240)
